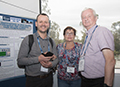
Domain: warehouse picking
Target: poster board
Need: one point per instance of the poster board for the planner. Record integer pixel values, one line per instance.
(13, 29)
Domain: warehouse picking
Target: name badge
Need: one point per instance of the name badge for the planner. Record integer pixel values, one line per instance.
(43, 69)
(70, 69)
(81, 63)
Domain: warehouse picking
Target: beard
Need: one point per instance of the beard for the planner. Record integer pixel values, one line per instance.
(41, 30)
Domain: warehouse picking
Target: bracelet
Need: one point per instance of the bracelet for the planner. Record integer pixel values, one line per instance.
(105, 85)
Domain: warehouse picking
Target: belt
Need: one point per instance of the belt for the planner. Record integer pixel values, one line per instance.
(91, 79)
(41, 76)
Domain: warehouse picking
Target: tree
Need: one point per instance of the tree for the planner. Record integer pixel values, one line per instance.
(54, 27)
(116, 34)
(54, 32)
(45, 7)
(83, 33)
(77, 39)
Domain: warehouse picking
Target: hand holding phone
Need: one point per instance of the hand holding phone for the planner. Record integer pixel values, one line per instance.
(48, 54)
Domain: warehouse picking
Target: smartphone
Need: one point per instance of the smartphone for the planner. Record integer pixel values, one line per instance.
(48, 54)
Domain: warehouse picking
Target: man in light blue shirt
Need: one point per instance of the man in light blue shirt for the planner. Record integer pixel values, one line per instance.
(98, 53)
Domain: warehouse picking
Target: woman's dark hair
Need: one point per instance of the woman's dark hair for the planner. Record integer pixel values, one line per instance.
(69, 28)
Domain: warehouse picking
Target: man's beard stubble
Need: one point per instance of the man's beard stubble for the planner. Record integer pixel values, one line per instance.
(42, 31)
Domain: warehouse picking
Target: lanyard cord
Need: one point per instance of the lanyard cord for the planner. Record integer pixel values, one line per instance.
(88, 41)
(40, 45)
(84, 44)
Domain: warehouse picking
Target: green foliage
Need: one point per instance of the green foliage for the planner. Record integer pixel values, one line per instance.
(77, 40)
(45, 7)
(83, 35)
(54, 32)
(116, 34)
(54, 28)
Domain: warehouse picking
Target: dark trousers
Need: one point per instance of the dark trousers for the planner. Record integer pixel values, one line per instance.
(97, 82)
(39, 82)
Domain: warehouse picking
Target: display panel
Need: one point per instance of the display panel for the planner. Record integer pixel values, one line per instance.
(13, 29)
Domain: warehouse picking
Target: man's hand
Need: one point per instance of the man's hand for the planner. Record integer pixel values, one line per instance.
(54, 57)
(43, 58)
(45, 61)
(46, 64)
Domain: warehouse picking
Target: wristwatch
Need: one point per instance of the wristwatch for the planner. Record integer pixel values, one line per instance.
(105, 85)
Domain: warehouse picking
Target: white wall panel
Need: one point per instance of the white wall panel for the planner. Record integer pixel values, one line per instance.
(23, 8)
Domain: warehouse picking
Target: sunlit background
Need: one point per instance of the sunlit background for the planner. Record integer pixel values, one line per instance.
(65, 13)
(68, 12)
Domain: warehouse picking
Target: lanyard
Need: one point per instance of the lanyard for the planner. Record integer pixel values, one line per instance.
(84, 44)
(40, 45)
(88, 41)
(67, 55)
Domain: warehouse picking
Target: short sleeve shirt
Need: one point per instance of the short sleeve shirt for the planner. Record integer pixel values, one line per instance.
(94, 59)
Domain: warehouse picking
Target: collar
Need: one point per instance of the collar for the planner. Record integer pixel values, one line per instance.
(90, 30)
(40, 37)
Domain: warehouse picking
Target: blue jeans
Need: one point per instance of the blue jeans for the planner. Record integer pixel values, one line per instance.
(64, 83)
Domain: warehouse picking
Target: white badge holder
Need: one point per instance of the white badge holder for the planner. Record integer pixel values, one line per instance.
(81, 63)
(43, 69)
(70, 69)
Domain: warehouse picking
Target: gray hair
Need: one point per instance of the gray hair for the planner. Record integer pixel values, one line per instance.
(94, 13)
